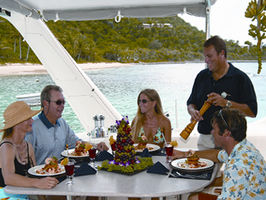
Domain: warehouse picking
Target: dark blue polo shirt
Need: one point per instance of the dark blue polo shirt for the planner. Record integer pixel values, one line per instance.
(235, 83)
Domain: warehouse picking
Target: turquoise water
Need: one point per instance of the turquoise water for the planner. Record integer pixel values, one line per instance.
(122, 85)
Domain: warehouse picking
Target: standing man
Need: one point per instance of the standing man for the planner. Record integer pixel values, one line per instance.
(245, 168)
(221, 77)
(50, 132)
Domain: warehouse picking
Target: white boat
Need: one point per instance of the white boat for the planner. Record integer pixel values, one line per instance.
(86, 100)
(32, 99)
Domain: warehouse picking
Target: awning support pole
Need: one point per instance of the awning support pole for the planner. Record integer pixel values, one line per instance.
(207, 22)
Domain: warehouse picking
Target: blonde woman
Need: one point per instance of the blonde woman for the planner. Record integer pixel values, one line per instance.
(150, 120)
(16, 155)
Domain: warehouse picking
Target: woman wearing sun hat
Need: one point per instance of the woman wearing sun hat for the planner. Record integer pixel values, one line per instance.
(16, 155)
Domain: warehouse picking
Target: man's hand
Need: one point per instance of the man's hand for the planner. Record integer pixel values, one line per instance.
(194, 113)
(102, 146)
(216, 99)
(179, 154)
(182, 154)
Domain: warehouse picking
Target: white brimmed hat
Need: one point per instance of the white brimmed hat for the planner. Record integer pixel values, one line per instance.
(16, 113)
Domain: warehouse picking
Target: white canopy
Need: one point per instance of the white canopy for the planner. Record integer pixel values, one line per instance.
(104, 9)
(86, 100)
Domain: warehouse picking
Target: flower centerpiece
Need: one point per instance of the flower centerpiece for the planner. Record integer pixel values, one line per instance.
(125, 160)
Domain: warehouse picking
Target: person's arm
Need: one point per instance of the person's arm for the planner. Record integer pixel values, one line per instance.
(194, 112)
(102, 146)
(11, 178)
(32, 155)
(218, 100)
(244, 108)
(211, 154)
(167, 129)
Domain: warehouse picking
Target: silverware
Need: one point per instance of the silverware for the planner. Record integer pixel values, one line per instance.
(176, 172)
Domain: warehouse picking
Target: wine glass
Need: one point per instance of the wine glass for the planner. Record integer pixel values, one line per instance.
(92, 155)
(69, 167)
(169, 152)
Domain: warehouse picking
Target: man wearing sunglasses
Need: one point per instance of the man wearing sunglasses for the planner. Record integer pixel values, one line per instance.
(223, 85)
(245, 167)
(50, 132)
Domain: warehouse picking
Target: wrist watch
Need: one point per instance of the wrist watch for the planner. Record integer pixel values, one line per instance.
(228, 104)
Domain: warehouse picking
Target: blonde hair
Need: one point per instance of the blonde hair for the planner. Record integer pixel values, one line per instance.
(138, 121)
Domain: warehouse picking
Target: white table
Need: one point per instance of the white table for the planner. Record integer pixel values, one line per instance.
(108, 184)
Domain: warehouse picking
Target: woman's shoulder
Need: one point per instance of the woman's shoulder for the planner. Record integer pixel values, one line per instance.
(164, 120)
(6, 144)
(6, 148)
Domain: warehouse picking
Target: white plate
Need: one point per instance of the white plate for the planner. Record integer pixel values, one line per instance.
(32, 171)
(65, 154)
(180, 164)
(153, 146)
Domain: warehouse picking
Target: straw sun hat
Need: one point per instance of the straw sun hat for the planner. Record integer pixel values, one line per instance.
(16, 113)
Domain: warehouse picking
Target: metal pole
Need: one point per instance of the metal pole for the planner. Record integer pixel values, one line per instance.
(207, 22)
(176, 117)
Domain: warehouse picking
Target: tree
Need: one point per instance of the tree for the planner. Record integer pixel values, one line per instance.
(256, 11)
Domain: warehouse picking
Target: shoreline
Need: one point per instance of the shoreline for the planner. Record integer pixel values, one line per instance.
(14, 69)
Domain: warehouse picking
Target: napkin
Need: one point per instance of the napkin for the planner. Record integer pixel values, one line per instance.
(158, 153)
(84, 169)
(104, 155)
(206, 175)
(158, 168)
(61, 178)
(145, 153)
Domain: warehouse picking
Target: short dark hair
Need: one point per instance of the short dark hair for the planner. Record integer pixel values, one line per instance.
(218, 43)
(45, 94)
(233, 120)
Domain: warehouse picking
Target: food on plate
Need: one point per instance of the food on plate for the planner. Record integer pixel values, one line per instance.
(51, 167)
(142, 143)
(81, 149)
(142, 146)
(193, 161)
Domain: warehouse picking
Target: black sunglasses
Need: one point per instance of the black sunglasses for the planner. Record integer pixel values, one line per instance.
(143, 101)
(221, 115)
(59, 102)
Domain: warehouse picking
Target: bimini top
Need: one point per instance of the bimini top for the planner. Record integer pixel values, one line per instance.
(78, 10)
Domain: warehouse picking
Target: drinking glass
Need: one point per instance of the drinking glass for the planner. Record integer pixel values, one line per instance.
(92, 155)
(69, 167)
(169, 152)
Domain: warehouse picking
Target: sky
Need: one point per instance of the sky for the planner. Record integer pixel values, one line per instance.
(227, 20)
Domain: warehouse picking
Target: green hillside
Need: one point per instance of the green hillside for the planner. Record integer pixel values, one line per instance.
(167, 40)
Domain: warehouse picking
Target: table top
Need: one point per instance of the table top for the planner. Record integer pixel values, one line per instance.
(109, 184)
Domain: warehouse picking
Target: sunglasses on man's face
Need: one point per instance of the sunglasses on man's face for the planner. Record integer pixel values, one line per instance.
(59, 102)
(143, 101)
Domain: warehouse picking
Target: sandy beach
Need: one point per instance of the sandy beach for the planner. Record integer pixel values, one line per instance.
(28, 68)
